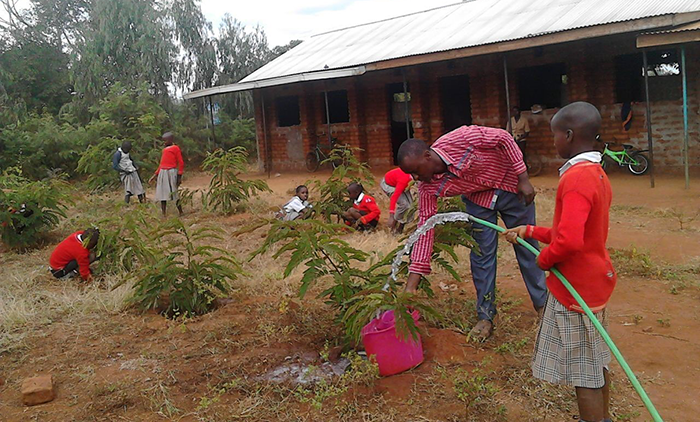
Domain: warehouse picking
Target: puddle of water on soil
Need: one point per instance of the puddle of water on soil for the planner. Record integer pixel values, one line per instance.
(304, 370)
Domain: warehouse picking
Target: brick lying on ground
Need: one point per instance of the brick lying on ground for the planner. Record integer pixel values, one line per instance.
(37, 390)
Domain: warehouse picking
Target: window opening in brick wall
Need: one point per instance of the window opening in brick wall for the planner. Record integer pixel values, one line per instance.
(337, 106)
(287, 111)
(663, 70)
(544, 85)
(662, 63)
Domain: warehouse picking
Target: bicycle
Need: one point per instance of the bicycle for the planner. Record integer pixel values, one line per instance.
(534, 165)
(317, 156)
(635, 160)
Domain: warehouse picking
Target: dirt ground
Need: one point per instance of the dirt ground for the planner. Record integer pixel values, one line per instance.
(111, 362)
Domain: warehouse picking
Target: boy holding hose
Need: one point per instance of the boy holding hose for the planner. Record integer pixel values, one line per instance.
(568, 349)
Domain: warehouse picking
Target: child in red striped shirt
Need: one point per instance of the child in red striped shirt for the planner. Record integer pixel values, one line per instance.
(364, 214)
(569, 350)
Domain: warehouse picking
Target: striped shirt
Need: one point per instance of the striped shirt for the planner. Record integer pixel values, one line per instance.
(481, 161)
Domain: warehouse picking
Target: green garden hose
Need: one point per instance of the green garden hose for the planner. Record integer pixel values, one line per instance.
(633, 379)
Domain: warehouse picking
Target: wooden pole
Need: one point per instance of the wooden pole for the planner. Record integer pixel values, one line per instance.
(686, 158)
(505, 73)
(328, 118)
(268, 152)
(211, 117)
(650, 140)
(407, 116)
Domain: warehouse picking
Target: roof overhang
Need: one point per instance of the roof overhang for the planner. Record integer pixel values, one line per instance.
(680, 35)
(540, 40)
(284, 80)
(535, 40)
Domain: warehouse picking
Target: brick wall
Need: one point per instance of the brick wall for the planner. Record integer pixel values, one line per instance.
(590, 68)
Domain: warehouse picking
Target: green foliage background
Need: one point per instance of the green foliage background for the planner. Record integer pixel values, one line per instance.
(79, 77)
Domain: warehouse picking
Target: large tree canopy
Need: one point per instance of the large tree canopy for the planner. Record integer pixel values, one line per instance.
(91, 45)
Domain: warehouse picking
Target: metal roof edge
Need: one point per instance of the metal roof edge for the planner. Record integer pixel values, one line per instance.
(683, 34)
(283, 80)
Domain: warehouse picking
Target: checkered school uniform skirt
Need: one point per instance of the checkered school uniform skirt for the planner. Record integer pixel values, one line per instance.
(569, 350)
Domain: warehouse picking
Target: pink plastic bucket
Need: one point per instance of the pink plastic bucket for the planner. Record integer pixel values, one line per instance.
(392, 353)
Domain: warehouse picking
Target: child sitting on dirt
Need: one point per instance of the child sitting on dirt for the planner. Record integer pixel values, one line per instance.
(75, 254)
(297, 207)
(568, 349)
(364, 214)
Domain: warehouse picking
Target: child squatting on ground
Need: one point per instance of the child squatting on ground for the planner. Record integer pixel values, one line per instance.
(364, 214)
(75, 254)
(568, 349)
(297, 207)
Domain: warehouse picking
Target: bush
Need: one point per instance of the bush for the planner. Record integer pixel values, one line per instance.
(179, 269)
(332, 193)
(41, 147)
(226, 189)
(29, 209)
(355, 294)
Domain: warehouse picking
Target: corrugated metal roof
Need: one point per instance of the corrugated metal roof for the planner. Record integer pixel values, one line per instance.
(461, 25)
(695, 26)
(681, 34)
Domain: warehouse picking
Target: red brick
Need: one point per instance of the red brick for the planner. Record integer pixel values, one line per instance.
(37, 390)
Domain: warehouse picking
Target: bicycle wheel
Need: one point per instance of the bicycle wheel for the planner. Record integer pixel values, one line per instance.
(312, 162)
(605, 163)
(534, 168)
(642, 164)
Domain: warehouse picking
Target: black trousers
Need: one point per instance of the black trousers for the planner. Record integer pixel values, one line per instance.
(70, 267)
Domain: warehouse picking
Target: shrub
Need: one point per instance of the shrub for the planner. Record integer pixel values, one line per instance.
(41, 147)
(183, 271)
(226, 189)
(332, 193)
(355, 294)
(29, 209)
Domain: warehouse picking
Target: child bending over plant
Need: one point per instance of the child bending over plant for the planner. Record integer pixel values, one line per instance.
(364, 214)
(75, 254)
(297, 207)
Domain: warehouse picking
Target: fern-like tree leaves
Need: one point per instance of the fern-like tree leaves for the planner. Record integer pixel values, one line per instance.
(226, 189)
(184, 272)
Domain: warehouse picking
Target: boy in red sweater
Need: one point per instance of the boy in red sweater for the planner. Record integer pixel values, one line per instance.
(75, 252)
(364, 214)
(568, 349)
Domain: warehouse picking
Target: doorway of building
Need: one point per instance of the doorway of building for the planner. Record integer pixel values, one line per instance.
(455, 101)
(397, 114)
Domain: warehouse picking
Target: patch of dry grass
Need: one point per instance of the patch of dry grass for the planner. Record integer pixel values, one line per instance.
(30, 297)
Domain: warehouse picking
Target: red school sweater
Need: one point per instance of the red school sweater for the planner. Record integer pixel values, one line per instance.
(171, 158)
(578, 236)
(71, 248)
(400, 181)
(368, 205)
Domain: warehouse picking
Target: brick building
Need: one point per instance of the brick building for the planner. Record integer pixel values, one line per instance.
(421, 75)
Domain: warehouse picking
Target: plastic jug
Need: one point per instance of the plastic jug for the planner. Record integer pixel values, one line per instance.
(392, 353)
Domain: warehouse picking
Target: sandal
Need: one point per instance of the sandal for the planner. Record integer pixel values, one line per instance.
(481, 331)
